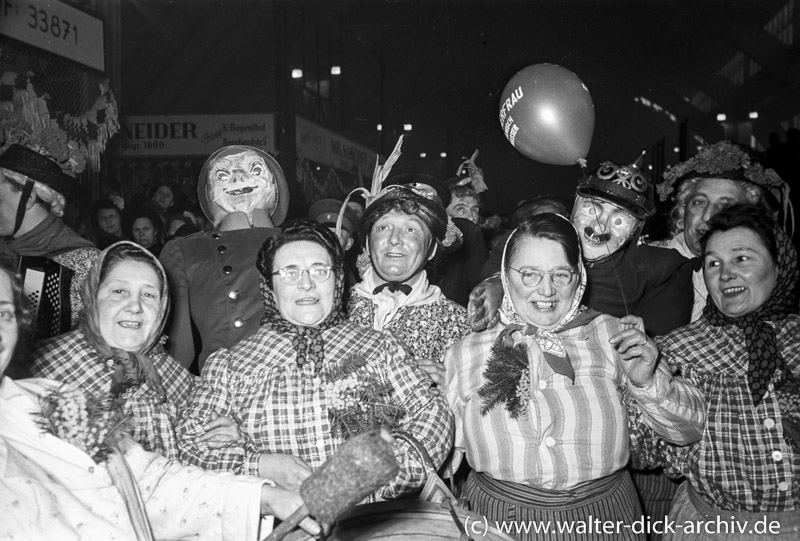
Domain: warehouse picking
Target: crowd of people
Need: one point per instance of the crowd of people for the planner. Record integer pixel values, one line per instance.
(569, 370)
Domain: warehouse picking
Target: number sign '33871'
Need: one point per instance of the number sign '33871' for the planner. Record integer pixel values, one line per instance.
(56, 27)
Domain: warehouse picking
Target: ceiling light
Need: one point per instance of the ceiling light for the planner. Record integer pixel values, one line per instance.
(296, 73)
(380, 127)
(336, 70)
(753, 114)
(406, 127)
(423, 154)
(443, 154)
(722, 117)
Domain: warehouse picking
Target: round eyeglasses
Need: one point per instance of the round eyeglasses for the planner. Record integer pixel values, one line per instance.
(533, 277)
(292, 275)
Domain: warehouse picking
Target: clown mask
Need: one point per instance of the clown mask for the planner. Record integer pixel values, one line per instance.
(603, 228)
(242, 183)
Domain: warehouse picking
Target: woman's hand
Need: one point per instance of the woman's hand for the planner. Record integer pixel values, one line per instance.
(281, 503)
(484, 304)
(434, 369)
(219, 432)
(286, 470)
(639, 353)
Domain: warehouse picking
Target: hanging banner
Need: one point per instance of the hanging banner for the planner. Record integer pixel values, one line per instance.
(56, 27)
(323, 146)
(193, 135)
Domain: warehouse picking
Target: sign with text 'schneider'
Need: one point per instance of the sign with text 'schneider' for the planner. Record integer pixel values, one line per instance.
(56, 27)
(193, 135)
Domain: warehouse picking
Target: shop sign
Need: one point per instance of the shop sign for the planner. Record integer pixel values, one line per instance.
(193, 135)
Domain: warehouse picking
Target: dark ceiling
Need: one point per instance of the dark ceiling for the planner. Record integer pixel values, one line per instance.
(441, 65)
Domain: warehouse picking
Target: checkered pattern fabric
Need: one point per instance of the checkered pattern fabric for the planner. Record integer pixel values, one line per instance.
(743, 462)
(70, 358)
(283, 408)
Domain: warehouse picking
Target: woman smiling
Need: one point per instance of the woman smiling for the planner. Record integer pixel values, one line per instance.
(540, 400)
(744, 355)
(308, 379)
(117, 345)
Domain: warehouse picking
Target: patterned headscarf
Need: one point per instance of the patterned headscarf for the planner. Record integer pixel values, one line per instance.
(131, 368)
(763, 353)
(306, 340)
(507, 373)
(548, 340)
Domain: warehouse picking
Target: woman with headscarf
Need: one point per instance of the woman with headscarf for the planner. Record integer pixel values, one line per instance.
(60, 481)
(744, 355)
(308, 379)
(118, 347)
(403, 228)
(540, 400)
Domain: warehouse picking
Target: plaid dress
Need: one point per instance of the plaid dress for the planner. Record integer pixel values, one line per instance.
(743, 462)
(70, 358)
(281, 407)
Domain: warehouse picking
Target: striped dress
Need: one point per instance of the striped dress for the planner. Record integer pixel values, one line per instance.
(569, 436)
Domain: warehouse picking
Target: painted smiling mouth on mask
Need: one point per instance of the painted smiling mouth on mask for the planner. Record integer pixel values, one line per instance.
(240, 191)
(596, 238)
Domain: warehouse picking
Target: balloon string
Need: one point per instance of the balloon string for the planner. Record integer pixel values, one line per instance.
(616, 273)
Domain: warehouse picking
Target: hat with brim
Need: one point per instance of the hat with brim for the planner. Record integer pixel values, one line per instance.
(429, 210)
(326, 212)
(621, 185)
(37, 167)
(214, 212)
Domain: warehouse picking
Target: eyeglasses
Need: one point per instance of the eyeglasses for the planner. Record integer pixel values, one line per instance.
(292, 275)
(533, 277)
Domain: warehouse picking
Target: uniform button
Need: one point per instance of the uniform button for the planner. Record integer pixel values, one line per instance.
(227, 269)
(769, 423)
(542, 384)
(777, 456)
(238, 322)
(783, 486)
(234, 294)
(221, 249)
(549, 441)
(215, 235)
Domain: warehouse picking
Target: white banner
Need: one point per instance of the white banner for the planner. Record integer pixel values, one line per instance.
(55, 27)
(193, 135)
(323, 146)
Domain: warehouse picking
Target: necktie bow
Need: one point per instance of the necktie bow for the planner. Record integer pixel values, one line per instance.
(405, 289)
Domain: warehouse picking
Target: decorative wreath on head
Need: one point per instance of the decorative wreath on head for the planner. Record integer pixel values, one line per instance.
(719, 159)
(727, 160)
